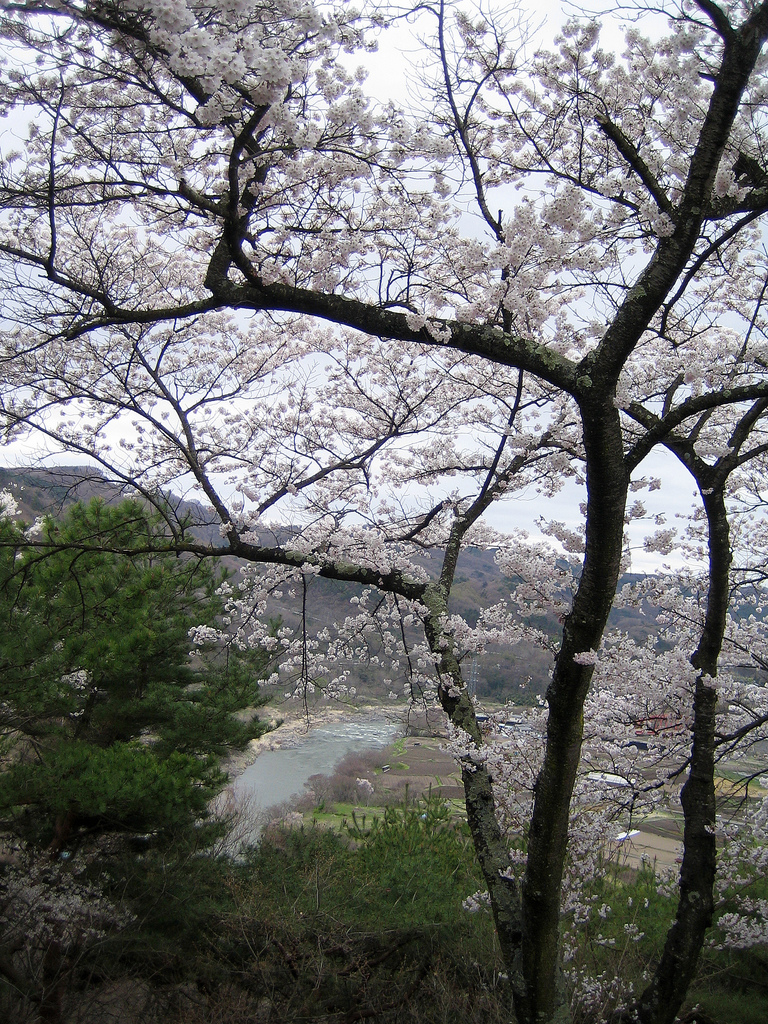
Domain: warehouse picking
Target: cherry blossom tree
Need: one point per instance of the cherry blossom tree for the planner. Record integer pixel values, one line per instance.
(352, 327)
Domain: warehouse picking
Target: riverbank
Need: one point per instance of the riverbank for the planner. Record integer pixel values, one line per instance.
(276, 770)
(290, 724)
(417, 765)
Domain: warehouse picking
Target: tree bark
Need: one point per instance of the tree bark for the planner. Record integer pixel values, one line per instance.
(65, 821)
(663, 996)
(607, 483)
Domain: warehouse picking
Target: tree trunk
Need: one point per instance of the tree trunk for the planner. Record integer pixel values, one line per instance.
(664, 995)
(62, 830)
(542, 997)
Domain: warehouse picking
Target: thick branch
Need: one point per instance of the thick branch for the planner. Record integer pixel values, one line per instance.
(473, 339)
(659, 429)
(741, 52)
(631, 154)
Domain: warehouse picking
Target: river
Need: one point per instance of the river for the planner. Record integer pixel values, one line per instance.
(278, 775)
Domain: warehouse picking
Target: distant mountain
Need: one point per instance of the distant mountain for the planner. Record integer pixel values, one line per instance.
(40, 491)
(518, 673)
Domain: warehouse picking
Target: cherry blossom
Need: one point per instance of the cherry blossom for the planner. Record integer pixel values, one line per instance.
(351, 328)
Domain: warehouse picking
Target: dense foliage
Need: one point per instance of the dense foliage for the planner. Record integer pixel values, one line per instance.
(315, 924)
(106, 723)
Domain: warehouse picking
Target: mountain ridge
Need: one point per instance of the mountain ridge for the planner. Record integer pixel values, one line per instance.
(519, 673)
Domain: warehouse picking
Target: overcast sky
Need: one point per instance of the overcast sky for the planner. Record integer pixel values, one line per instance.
(388, 77)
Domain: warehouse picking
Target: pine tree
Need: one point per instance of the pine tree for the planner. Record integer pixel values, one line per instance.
(107, 724)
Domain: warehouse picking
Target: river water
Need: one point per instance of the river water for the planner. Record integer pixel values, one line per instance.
(279, 775)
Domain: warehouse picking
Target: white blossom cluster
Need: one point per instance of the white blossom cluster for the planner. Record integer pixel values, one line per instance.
(46, 905)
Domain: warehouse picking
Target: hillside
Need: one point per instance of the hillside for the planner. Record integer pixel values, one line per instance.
(518, 673)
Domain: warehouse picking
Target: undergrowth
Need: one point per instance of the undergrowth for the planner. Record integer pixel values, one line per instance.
(360, 923)
(315, 924)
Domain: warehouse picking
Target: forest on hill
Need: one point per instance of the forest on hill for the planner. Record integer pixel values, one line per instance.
(517, 675)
